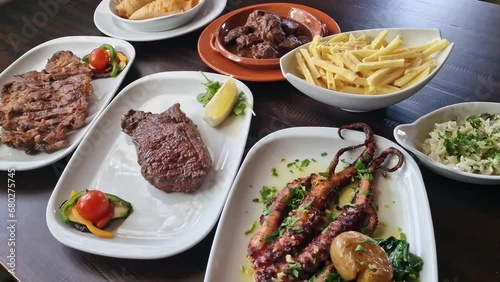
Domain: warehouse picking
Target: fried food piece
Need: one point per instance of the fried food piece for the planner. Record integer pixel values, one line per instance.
(127, 7)
(160, 8)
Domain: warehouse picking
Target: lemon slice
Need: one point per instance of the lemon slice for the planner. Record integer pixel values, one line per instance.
(221, 104)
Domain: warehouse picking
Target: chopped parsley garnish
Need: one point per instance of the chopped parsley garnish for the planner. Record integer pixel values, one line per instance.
(360, 249)
(288, 224)
(293, 269)
(300, 165)
(325, 229)
(324, 154)
(252, 228)
(331, 216)
(274, 172)
(267, 194)
(324, 174)
(297, 195)
(362, 171)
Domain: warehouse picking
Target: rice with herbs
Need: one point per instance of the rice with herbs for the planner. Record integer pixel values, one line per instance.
(472, 146)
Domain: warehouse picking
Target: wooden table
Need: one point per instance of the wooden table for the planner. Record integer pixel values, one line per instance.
(466, 217)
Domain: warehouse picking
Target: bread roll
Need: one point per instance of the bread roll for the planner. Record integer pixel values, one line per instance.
(159, 8)
(127, 7)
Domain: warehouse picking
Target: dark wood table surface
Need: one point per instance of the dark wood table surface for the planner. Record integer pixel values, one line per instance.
(466, 217)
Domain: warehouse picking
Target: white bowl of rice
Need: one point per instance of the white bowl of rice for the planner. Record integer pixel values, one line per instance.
(460, 141)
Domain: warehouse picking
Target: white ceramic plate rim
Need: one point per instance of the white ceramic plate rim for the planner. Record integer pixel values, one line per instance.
(230, 239)
(106, 94)
(104, 22)
(86, 171)
(402, 129)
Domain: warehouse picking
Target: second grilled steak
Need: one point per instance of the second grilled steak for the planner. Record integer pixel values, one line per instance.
(39, 110)
(172, 156)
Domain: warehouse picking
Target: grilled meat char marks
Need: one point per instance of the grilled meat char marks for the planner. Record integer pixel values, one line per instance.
(169, 149)
(37, 111)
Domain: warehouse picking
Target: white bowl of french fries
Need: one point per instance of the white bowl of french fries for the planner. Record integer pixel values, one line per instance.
(153, 15)
(368, 69)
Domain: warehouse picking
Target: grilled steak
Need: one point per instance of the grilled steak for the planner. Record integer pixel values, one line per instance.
(37, 112)
(169, 149)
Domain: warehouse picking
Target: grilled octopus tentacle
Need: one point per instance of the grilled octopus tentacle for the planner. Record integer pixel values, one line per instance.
(369, 143)
(316, 252)
(306, 216)
(270, 221)
(359, 215)
(364, 193)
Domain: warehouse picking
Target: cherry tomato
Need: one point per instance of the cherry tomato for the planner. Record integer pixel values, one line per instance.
(99, 58)
(93, 205)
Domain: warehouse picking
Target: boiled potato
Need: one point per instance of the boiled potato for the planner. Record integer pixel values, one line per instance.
(357, 257)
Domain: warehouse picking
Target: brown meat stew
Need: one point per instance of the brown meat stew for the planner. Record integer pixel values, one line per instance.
(266, 35)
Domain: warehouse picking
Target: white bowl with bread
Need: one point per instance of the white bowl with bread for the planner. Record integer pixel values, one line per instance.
(372, 69)
(153, 15)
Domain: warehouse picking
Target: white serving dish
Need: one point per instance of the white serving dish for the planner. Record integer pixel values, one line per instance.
(357, 102)
(155, 24)
(104, 90)
(161, 224)
(103, 20)
(412, 135)
(401, 196)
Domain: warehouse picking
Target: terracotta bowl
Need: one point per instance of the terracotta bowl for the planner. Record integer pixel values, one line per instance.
(239, 18)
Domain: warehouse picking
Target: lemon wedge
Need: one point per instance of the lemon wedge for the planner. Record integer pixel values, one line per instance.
(221, 104)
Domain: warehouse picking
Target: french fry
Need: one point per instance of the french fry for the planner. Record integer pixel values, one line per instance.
(377, 42)
(347, 62)
(380, 64)
(330, 81)
(339, 38)
(404, 55)
(419, 77)
(438, 46)
(387, 89)
(304, 69)
(333, 68)
(376, 78)
(309, 63)
(357, 65)
(420, 48)
(357, 81)
(393, 45)
(335, 60)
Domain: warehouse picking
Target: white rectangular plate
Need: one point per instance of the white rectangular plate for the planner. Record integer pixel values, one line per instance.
(104, 89)
(401, 197)
(161, 224)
